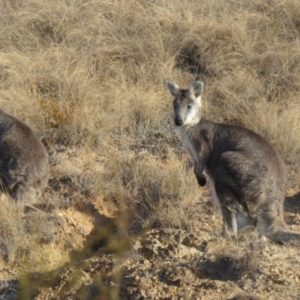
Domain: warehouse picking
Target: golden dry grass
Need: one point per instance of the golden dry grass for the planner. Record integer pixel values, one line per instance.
(89, 76)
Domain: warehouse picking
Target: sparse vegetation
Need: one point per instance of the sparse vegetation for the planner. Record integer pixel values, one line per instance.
(89, 77)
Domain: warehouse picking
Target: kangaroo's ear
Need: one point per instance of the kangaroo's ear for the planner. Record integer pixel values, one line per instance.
(196, 88)
(173, 88)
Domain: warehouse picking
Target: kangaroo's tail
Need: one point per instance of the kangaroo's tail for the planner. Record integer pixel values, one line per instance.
(285, 236)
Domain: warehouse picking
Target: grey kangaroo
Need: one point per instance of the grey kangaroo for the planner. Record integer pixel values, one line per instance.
(24, 162)
(246, 174)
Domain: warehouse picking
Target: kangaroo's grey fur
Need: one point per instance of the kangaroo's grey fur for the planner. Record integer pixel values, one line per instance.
(24, 161)
(246, 174)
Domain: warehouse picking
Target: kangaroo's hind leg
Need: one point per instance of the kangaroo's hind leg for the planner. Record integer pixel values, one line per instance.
(229, 221)
(234, 214)
(229, 210)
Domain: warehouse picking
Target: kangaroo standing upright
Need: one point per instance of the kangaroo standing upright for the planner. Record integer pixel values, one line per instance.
(246, 174)
(24, 161)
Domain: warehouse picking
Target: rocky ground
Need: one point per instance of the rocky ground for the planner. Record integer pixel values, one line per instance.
(173, 264)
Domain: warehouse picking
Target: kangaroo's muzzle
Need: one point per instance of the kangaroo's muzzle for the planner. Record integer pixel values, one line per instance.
(178, 121)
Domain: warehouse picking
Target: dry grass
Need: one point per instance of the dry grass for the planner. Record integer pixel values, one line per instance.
(89, 76)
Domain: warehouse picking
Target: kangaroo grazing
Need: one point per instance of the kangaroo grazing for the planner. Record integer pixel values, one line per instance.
(24, 161)
(246, 174)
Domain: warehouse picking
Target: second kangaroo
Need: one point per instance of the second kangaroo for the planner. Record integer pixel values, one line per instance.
(24, 161)
(246, 174)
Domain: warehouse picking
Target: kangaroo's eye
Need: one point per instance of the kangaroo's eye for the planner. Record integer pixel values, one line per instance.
(189, 106)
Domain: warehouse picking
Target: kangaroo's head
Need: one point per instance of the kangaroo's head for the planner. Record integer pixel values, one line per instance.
(187, 103)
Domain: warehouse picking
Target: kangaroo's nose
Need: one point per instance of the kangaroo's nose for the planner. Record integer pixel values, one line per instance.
(178, 121)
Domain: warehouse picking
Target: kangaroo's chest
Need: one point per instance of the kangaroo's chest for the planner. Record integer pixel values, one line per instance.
(188, 144)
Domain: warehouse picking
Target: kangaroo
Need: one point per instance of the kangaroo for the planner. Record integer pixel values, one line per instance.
(246, 174)
(24, 161)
